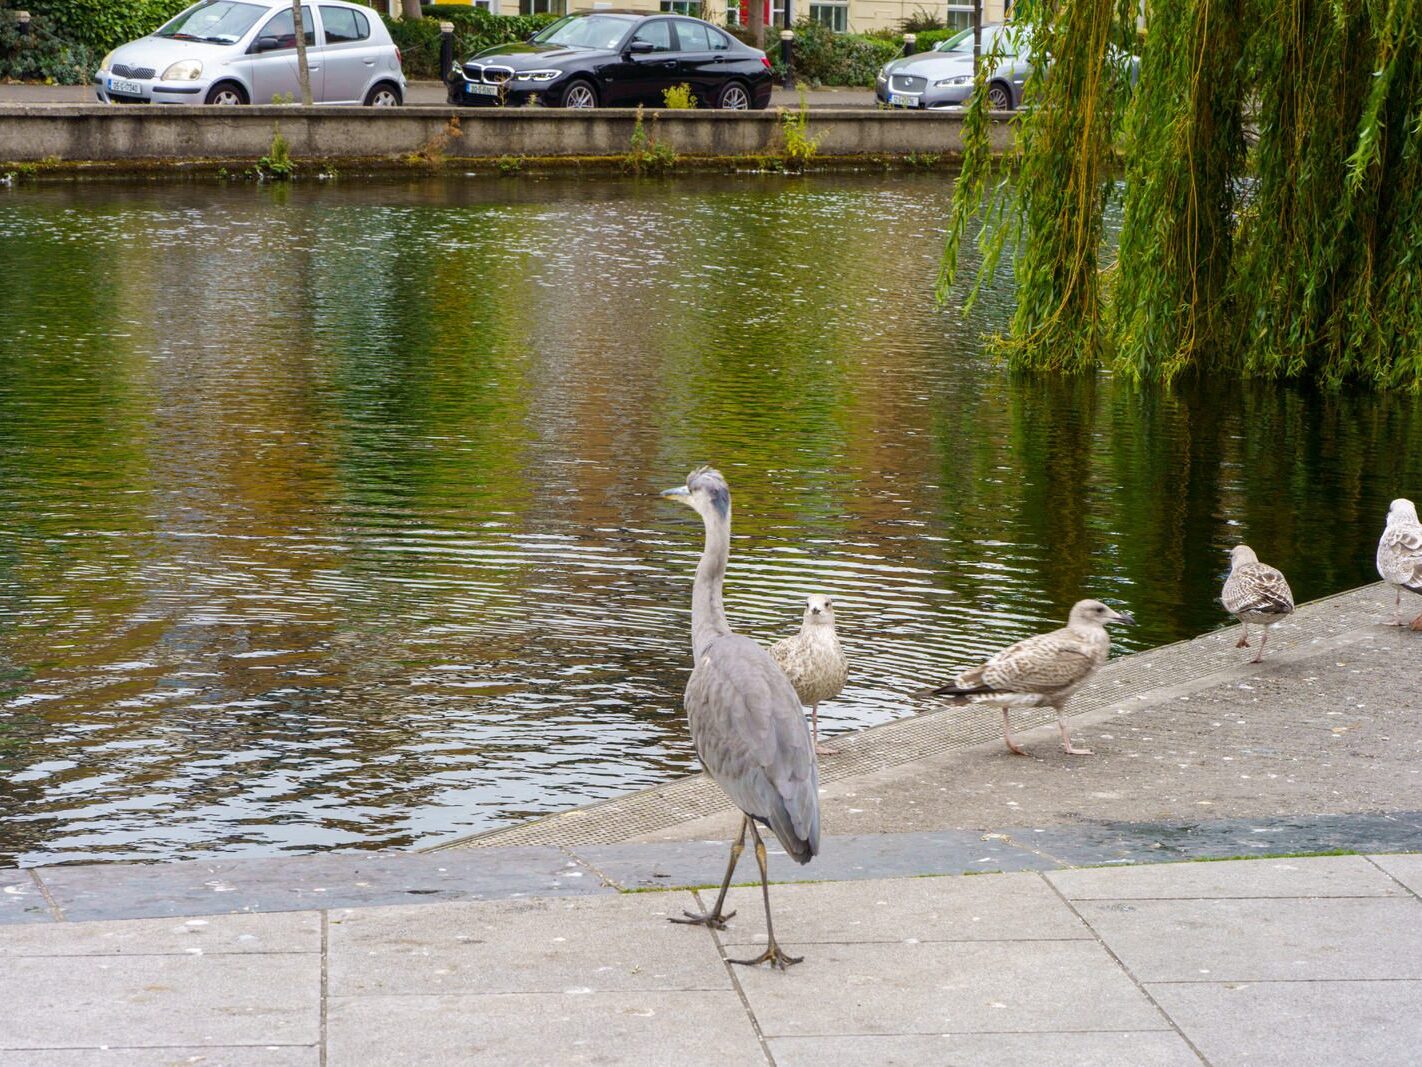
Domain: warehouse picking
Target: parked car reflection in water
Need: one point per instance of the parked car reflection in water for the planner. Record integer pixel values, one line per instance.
(616, 59)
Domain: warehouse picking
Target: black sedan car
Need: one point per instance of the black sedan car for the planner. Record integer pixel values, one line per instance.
(616, 59)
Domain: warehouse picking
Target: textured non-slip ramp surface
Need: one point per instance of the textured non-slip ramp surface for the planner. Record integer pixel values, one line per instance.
(1289, 961)
(910, 774)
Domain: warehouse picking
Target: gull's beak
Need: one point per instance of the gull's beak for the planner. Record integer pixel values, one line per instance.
(1125, 617)
(681, 492)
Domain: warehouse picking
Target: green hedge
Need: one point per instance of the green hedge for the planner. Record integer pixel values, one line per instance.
(823, 57)
(474, 30)
(41, 54)
(99, 25)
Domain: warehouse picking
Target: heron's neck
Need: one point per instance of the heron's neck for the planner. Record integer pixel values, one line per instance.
(708, 612)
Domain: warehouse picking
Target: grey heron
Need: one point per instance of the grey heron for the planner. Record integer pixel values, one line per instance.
(1400, 555)
(1255, 592)
(814, 662)
(745, 719)
(1042, 671)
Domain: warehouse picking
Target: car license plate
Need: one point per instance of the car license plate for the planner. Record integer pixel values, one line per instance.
(118, 85)
(481, 90)
(902, 100)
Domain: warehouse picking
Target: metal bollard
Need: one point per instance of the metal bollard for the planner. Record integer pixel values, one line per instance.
(22, 23)
(787, 56)
(910, 43)
(446, 50)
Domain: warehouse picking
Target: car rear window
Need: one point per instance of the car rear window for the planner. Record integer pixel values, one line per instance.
(698, 37)
(344, 24)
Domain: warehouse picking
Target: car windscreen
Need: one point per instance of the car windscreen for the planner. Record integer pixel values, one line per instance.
(584, 31)
(963, 43)
(217, 21)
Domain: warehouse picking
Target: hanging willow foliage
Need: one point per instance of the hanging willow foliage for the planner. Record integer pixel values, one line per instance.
(1300, 259)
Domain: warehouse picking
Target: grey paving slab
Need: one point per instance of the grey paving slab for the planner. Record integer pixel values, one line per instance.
(1151, 1048)
(185, 1056)
(1090, 843)
(1406, 869)
(283, 932)
(128, 890)
(1260, 940)
(1299, 1024)
(90, 1001)
(939, 987)
(1322, 876)
(552, 946)
(700, 863)
(989, 908)
(21, 900)
(631, 1028)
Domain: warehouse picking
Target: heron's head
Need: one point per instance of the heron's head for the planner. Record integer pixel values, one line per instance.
(819, 610)
(1240, 554)
(1095, 613)
(706, 492)
(1402, 510)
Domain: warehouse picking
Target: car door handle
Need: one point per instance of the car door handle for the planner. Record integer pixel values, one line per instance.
(670, 63)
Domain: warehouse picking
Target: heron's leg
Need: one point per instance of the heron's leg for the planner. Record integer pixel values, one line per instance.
(714, 918)
(823, 750)
(1067, 746)
(1007, 734)
(1243, 641)
(774, 954)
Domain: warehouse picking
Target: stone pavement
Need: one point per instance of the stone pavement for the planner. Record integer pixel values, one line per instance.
(1269, 961)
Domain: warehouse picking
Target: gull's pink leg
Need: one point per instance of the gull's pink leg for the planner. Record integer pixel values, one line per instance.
(1007, 734)
(1067, 746)
(823, 750)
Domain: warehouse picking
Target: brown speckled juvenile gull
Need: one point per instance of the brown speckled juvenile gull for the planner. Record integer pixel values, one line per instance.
(814, 662)
(1043, 671)
(1255, 592)
(1400, 555)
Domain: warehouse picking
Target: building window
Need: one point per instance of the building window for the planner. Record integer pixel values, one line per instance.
(540, 7)
(487, 5)
(682, 7)
(835, 16)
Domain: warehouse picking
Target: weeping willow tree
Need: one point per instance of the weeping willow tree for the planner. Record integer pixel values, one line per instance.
(1299, 258)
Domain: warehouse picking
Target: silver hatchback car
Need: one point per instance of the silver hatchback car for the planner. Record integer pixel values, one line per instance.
(244, 52)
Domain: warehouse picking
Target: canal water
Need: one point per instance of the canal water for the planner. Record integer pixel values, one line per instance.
(329, 514)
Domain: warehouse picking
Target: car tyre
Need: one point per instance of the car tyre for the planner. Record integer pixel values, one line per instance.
(383, 94)
(579, 93)
(228, 94)
(734, 96)
(999, 97)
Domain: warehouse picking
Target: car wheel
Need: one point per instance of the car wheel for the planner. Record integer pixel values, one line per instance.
(734, 96)
(579, 93)
(999, 98)
(383, 95)
(226, 93)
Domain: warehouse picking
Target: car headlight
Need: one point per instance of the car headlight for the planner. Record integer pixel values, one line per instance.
(537, 75)
(884, 74)
(957, 79)
(184, 70)
(106, 62)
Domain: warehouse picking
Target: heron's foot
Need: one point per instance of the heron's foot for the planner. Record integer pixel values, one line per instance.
(694, 918)
(1072, 750)
(774, 955)
(825, 750)
(1243, 642)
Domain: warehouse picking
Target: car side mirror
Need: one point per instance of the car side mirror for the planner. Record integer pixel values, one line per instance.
(640, 48)
(267, 44)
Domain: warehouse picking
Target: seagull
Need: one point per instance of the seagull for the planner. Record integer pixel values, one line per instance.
(1400, 555)
(1255, 592)
(814, 662)
(1043, 671)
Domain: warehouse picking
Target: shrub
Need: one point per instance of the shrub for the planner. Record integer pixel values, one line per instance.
(99, 25)
(679, 98)
(823, 57)
(474, 30)
(648, 155)
(41, 53)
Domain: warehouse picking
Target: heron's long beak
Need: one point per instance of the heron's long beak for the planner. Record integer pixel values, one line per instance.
(681, 492)
(1125, 617)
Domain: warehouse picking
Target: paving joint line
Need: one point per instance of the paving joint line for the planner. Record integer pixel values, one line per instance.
(1392, 877)
(607, 880)
(50, 902)
(325, 986)
(736, 984)
(1124, 969)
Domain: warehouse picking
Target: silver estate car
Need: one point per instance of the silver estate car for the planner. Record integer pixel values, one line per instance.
(943, 77)
(244, 52)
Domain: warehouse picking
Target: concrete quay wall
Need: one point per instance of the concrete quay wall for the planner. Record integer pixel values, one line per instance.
(111, 134)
